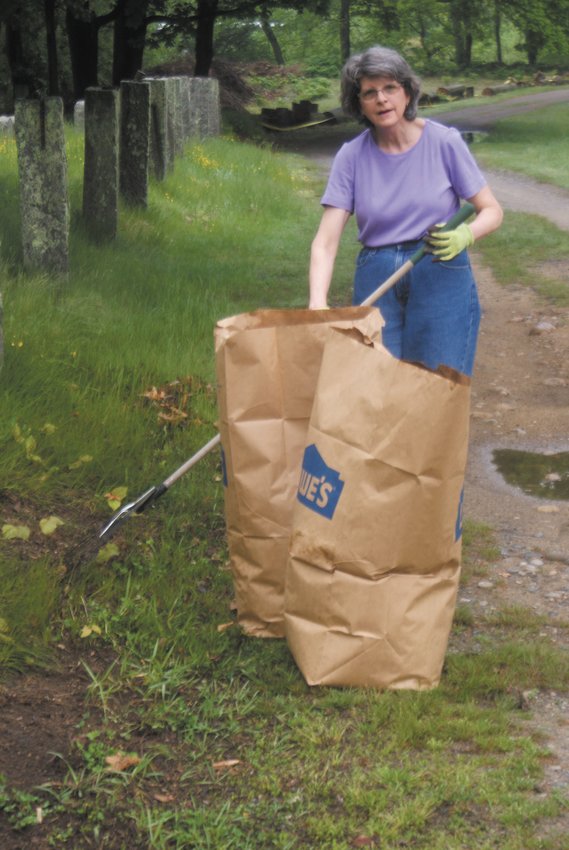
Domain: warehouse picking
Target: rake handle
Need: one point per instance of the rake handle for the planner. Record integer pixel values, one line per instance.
(462, 215)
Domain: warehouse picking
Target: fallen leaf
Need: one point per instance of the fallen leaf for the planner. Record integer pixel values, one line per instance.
(49, 524)
(107, 553)
(548, 509)
(224, 626)
(82, 460)
(87, 631)
(121, 761)
(363, 841)
(115, 497)
(164, 798)
(15, 532)
(225, 765)
(154, 394)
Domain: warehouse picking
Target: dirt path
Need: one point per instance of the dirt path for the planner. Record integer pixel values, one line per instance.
(520, 401)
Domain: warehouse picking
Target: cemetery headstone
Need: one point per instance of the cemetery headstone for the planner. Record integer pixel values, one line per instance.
(134, 141)
(205, 107)
(42, 169)
(101, 172)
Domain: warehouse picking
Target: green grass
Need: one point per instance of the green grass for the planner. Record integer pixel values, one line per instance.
(530, 251)
(228, 747)
(533, 144)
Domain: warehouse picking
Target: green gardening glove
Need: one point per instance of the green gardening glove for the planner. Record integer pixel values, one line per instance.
(446, 244)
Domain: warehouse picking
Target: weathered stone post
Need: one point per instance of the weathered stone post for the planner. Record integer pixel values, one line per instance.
(42, 170)
(205, 107)
(101, 171)
(185, 107)
(179, 116)
(158, 128)
(171, 120)
(79, 115)
(134, 142)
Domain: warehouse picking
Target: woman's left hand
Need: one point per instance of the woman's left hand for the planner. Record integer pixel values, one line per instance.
(446, 244)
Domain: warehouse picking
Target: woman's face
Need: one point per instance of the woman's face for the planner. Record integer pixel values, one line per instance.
(383, 101)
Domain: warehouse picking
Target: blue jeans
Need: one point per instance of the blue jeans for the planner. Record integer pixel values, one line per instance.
(432, 314)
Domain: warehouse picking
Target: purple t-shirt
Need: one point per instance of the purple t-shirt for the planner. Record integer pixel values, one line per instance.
(397, 197)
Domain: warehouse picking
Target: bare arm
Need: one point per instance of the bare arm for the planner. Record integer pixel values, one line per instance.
(323, 255)
(489, 213)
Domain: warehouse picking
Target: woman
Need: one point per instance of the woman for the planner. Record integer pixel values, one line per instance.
(400, 177)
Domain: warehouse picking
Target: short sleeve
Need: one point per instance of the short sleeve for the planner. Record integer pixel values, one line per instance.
(465, 175)
(339, 190)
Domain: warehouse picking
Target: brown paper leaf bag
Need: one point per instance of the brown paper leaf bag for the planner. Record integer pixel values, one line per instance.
(267, 365)
(375, 550)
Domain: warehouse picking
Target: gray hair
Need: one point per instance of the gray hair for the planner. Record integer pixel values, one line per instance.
(378, 62)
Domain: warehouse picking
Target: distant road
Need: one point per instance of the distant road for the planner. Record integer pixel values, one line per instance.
(485, 116)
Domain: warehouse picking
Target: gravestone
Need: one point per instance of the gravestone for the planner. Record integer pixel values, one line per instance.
(42, 170)
(159, 151)
(179, 133)
(205, 109)
(6, 125)
(79, 115)
(101, 171)
(171, 120)
(186, 108)
(134, 141)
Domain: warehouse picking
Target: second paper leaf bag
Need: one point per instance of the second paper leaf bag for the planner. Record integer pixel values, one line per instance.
(267, 365)
(376, 544)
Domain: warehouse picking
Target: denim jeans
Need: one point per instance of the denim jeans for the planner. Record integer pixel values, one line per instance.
(432, 314)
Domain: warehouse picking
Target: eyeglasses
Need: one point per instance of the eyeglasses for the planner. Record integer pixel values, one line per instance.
(389, 90)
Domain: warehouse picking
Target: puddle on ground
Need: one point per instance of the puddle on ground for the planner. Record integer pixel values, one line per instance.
(543, 475)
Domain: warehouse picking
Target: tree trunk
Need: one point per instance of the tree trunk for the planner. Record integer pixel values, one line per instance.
(207, 12)
(83, 40)
(498, 33)
(462, 32)
(129, 39)
(468, 49)
(271, 37)
(345, 47)
(534, 41)
(19, 73)
(52, 64)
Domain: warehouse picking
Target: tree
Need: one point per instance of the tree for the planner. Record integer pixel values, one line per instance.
(541, 22)
(345, 44)
(269, 32)
(83, 26)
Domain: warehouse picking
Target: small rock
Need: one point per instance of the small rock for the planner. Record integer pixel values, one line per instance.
(485, 585)
(548, 509)
(542, 327)
(536, 562)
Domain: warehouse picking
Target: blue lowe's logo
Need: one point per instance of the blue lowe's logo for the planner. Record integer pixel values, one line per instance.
(458, 526)
(320, 486)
